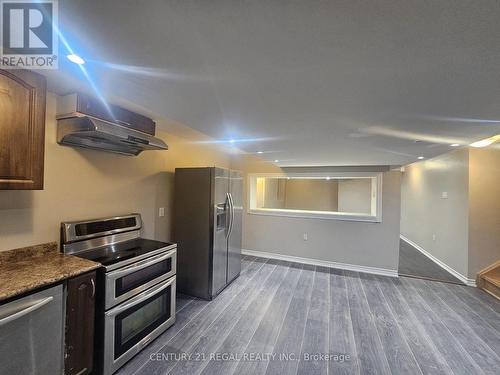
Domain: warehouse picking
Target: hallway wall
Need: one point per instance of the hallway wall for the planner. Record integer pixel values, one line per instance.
(438, 225)
(450, 208)
(484, 208)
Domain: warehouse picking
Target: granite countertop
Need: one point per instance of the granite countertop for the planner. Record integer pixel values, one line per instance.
(29, 268)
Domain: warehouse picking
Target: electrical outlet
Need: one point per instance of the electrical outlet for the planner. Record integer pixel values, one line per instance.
(304, 236)
(161, 211)
(444, 195)
(434, 237)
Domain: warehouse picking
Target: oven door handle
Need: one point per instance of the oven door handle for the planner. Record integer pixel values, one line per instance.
(140, 265)
(140, 298)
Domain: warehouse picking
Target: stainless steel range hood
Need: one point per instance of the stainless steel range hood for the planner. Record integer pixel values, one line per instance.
(90, 132)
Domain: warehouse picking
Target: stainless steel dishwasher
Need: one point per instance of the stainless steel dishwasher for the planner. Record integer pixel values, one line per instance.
(31, 334)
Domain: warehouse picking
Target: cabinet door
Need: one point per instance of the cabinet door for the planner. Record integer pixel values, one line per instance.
(22, 130)
(80, 312)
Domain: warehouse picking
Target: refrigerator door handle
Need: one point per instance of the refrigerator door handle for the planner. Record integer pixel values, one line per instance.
(231, 213)
(228, 200)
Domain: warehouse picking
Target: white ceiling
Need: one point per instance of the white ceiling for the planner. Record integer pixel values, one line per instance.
(309, 82)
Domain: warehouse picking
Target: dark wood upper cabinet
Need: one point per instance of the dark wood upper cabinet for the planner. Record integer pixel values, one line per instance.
(80, 104)
(22, 129)
(80, 314)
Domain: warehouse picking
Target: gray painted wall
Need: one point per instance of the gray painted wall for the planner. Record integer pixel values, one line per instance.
(303, 194)
(355, 195)
(358, 243)
(484, 208)
(271, 197)
(438, 225)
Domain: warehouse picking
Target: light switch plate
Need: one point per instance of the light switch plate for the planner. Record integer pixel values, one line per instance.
(444, 195)
(161, 211)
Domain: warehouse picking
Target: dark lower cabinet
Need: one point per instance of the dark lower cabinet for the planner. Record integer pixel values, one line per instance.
(80, 314)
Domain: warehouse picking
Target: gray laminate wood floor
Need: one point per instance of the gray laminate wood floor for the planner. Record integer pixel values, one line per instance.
(288, 318)
(413, 263)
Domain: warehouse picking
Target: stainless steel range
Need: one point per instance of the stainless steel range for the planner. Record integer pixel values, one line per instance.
(135, 290)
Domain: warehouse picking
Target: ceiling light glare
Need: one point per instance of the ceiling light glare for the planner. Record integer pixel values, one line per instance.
(486, 142)
(75, 59)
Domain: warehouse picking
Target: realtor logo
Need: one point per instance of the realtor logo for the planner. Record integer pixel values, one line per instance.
(28, 34)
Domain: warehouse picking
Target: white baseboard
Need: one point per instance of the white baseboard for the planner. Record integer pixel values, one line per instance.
(458, 275)
(322, 263)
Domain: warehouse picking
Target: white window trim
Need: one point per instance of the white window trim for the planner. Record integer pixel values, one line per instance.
(344, 216)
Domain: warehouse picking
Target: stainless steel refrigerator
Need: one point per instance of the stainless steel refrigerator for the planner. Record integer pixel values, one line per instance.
(207, 229)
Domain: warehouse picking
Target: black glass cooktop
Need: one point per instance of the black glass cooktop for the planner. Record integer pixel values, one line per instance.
(112, 254)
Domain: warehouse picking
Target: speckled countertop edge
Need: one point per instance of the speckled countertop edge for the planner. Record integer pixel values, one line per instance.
(32, 267)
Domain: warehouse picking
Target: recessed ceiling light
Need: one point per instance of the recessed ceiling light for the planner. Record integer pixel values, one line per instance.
(420, 158)
(455, 144)
(75, 59)
(260, 152)
(486, 142)
(276, 160)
